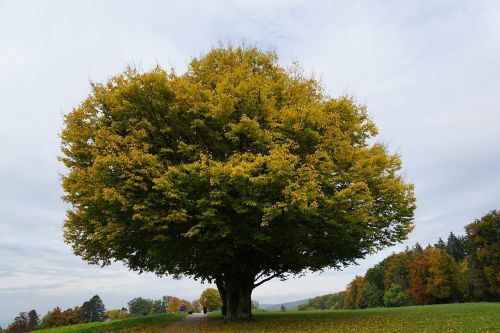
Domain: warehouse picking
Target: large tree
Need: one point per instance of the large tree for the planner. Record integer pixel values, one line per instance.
(236, 172)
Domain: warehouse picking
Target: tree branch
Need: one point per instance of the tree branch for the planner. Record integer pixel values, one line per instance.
(255, 285)
(259, 276)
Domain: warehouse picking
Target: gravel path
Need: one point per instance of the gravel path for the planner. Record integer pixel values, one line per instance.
(189, 324)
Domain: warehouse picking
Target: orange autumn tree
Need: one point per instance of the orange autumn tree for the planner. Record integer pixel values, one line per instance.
(175, 303)
(418, 273)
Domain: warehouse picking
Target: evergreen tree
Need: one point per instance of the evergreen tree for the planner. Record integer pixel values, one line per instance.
(456, 247)
(476, 287)
(94, 310)
(33, 320)
(440, 244)
(417, 248)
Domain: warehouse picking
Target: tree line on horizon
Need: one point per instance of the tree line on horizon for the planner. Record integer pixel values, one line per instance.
(462, 269)
(94, 310)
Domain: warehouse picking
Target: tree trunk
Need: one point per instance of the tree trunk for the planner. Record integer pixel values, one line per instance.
(236, 295)
(222, 292)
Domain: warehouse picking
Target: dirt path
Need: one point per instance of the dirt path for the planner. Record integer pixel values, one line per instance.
(189, 324)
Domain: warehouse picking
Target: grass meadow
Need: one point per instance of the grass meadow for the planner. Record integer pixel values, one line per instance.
(147, 324)
(469, 317)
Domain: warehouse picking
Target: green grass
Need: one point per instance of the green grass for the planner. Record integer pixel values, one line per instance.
(471, 317)
(146, 324)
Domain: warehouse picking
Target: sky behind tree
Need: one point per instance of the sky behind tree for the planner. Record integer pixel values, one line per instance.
(427, 70)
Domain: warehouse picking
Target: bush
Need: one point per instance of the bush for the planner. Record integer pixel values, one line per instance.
(395, 296)
(117, 314)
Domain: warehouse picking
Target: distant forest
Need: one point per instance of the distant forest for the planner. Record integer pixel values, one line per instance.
(462, 269)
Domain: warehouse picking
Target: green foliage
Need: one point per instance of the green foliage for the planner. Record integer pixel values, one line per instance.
(182, 174)
(484, 241)
(371, 296)
(457, 247)
(326, 302)
(395, 296)
(440, 244)
(159, 305)
(372, 293)
(236, 158)
(476, 287)
(395, 271)
(141, 306)
(93, 310)
(375, 275)
(210, 297)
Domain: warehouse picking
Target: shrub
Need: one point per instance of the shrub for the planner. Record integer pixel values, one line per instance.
(395, 296)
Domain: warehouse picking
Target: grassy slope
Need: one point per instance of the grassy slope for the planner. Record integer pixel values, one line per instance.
(152, 323)
(471, 317)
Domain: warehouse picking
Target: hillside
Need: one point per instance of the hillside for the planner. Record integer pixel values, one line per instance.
(288, 305)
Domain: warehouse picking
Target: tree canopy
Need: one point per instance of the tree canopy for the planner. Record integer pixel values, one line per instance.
(237, 171)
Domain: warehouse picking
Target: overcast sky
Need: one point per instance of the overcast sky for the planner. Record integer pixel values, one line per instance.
(429, 72)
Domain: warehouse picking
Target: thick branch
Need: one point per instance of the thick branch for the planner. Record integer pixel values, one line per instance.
(259, 276)
(255, 285)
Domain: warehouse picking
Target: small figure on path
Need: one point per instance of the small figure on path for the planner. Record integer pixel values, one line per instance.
(182, 308)
(204, 303)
